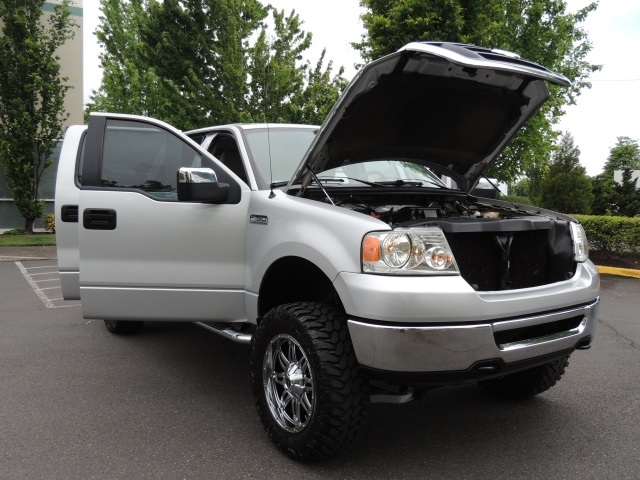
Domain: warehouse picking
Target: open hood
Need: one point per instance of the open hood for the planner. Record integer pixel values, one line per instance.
(450, 106)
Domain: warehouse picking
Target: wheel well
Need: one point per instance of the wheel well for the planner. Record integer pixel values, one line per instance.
(294, 279)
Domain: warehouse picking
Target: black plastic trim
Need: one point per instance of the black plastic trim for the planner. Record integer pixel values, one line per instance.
(481, 370)
(99, 219)
(77, 173)
(69, 213)
(92, 161)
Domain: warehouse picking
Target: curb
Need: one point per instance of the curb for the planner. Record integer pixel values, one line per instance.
(621, 272)
(6, 258)
(28, 253)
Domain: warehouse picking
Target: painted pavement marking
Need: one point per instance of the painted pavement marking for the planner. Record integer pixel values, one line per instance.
(48, 302)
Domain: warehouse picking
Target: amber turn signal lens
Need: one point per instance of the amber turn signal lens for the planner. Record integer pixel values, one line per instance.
(371, 249)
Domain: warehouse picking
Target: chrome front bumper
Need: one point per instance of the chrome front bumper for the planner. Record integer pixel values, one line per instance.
(446, 348)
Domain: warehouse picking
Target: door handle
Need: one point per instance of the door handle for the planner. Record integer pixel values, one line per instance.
(99, 219)
(69, 213)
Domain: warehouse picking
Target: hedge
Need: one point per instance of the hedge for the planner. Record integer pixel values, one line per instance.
(612, 234)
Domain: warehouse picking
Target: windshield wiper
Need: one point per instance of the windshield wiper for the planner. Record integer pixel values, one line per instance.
(342, 179)
(402, 183)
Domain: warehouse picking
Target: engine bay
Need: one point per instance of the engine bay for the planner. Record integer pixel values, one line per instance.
(497, 245)
(418, 210)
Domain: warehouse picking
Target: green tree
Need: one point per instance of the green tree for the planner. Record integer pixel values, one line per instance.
(624, 155)
(540, 30)
(321, 92)
(627, 197)
(521, 188)
(519, 192)
(31, 97)
(274, 67)
(282, 87)
(194, 63)
(566, 186)
(611, 198)
(604, 193)
(181, 61)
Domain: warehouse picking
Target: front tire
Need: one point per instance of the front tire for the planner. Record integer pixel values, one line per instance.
(528, 382)
(123, 326)
(310, 395)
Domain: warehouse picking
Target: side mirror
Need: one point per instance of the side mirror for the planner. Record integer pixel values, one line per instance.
(201, 185)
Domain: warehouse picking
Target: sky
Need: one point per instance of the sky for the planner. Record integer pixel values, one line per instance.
(610, 109)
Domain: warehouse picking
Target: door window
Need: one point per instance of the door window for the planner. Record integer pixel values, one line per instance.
(141, 156)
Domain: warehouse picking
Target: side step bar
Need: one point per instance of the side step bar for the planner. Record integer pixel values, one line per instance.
(230, 331)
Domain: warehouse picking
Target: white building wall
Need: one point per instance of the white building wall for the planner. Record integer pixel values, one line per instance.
(71, 63)
(635, 175)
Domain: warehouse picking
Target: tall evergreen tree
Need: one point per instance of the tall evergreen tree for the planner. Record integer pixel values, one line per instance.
(566, 186)
(194, 63)
(181, 61)
(322, 89)
(627, 197)
(31, 96)
(540, 30)
(274, 67)
(604, 195)
(283, 88)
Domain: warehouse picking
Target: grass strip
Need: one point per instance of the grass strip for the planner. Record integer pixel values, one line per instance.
(35, 239)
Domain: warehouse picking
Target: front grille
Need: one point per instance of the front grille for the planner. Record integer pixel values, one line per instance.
(486, 267)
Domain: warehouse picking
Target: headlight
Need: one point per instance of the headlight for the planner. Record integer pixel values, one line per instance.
(580, 245)
(408, 252)
(396, 250)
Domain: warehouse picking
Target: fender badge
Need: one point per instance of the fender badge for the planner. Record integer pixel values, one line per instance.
(259, 219)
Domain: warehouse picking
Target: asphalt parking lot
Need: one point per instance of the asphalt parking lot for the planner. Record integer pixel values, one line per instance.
(174, 402)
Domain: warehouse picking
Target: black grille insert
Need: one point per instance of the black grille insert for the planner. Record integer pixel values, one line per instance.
(535, 257)
(537, 331)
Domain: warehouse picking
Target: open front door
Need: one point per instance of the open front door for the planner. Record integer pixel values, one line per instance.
(144, 255)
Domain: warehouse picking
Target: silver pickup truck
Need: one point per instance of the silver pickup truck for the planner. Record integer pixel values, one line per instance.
(352, 256)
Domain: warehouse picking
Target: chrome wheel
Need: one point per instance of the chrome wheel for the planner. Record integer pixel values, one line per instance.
(288, 383)
(306, 381)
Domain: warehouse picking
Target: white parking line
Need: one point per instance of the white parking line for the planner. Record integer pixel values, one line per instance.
(48, 302)
(35, 287)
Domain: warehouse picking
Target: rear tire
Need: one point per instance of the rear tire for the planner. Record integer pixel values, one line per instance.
(310, 395)
(529, 382)
(123, 326)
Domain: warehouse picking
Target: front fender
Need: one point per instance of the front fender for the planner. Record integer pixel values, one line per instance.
(328, 236)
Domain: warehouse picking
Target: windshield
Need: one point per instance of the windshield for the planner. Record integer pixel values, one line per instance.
(277, 152)
(385, 172)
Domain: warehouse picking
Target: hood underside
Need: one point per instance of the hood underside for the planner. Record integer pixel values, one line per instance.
(448, 106)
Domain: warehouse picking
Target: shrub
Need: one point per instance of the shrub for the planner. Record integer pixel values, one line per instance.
(50, 223)
(15, 231)
(612, 234)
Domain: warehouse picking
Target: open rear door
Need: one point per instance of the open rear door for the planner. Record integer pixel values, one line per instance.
(67, 198)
